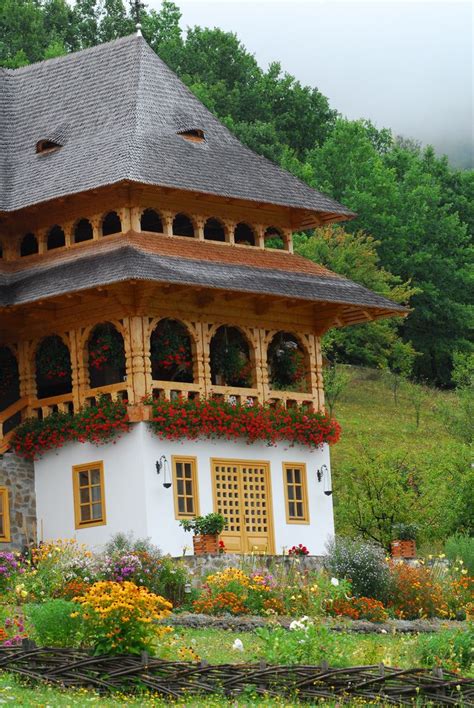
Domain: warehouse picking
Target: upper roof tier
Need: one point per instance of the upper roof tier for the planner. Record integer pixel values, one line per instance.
(118, 113)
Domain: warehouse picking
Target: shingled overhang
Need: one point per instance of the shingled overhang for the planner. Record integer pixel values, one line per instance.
(118, 113)
(161, 259)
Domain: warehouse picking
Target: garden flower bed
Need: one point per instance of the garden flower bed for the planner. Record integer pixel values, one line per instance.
(108, 608)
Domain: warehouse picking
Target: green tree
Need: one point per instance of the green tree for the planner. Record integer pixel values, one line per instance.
(354, 255)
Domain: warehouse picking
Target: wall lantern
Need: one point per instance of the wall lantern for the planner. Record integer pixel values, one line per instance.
(162, 464)
(324, 476)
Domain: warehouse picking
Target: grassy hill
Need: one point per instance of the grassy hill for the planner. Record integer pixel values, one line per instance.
(387, 469)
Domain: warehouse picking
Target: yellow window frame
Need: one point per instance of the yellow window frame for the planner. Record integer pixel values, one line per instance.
(302, 484)
(192, 461)
(76, 470)
(5, 514)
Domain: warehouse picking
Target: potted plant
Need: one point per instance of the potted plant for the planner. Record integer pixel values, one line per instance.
(404, 544)
(53, 362)
(171, 353)
(206, 531)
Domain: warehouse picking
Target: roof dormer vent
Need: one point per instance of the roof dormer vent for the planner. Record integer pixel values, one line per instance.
(43, 146)
(195, 135)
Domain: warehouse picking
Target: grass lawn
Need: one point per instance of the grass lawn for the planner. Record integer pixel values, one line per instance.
(215, 646)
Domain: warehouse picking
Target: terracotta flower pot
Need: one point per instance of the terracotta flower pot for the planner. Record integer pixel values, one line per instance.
(403, 549)
(206, 543)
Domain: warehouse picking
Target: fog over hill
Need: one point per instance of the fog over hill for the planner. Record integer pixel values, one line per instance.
(404, 65)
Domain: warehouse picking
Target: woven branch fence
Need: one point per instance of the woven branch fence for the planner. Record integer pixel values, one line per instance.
(71, 668)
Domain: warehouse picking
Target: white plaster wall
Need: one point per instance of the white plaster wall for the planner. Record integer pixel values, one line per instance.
(137, 501)
(124, 489)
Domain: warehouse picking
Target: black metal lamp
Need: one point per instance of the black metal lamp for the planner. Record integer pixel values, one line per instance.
(162, 464)
(324, 475)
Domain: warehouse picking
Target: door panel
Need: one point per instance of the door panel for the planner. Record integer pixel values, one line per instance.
(242, 494)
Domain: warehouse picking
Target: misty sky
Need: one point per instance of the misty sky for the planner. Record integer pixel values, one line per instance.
(407, 65)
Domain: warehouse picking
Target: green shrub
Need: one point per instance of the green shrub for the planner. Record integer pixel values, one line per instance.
(460, 547)
(53, 625)
(451, 649)
(171, 581)
(121, 543)
(361, 562)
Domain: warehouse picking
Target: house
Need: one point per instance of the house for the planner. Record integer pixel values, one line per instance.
(146, 252)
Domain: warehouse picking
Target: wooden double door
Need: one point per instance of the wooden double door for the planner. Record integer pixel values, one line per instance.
(242, 494)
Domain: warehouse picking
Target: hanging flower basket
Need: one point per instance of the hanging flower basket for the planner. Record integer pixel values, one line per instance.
(106, 350)
(287, 365)
(230, 359)
(171, 350)
(53, 362)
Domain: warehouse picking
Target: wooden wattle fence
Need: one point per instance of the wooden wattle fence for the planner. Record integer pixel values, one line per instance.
(71, 668)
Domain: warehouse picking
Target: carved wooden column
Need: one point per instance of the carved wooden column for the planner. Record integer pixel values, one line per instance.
(206, 357)
(319, 372)
(258, 363)
(26, 372)
(265, 339)
(68, 229)
(125, 331)
(260, 235)
(167, 218)
(82, 368)
(199, 372)
(137, 353)
(125, 218)
(42, 236)
(309, 342)
(73, 353)
(135, 216)
(229, 228)
(199, 222)
(95, 223)
(288, 239)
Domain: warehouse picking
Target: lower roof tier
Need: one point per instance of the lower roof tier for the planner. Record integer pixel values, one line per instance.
(160, 259)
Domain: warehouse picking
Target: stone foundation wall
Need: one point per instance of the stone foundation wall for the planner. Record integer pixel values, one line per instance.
(201, 566)
(17, 475)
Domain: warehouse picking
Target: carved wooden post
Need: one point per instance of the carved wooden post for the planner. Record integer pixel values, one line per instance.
(82, 364)
(288, 239)
(68, 233)
(42, 236)
(125, 331)
(167, 218)
(229, 228)
(319, 372)
(125, 218)
(135, 216)
(96, 230)
(199, 222)
(26, 372)
(137, 351)
(265, 374)
(260, 235)
(206, 357)
(312, 374)
(259, 363)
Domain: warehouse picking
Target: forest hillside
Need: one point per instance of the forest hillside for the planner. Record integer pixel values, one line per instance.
(412, 239)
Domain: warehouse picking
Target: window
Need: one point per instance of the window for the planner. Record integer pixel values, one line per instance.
(56, 238)
(186, 502)
(4, 516)
(29, 245)
(43, 146)
(111, 224)
(195, 135)
(89, 497)
(296, 497)
(83, 231)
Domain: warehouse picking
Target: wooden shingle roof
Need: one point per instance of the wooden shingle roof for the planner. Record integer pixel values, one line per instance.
(117, 111)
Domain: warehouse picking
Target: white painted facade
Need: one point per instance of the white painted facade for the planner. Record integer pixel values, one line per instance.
(137, 502)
